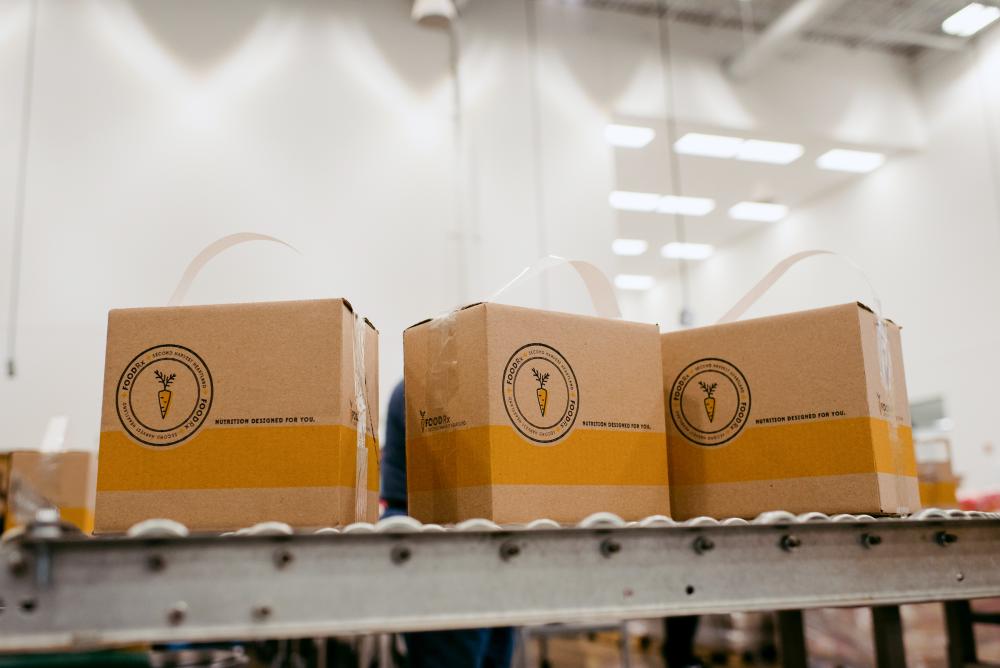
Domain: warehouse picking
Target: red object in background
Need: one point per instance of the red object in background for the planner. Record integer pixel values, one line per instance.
(984, 501)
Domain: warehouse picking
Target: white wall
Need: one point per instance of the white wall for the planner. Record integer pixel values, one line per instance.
(158, 127)
(926, 230)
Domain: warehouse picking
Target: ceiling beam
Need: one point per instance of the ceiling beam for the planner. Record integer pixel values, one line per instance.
(893, 36)
(781, 31)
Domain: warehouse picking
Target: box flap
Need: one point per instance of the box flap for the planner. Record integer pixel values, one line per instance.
(351, 309)
(427, 320)
(872, 311)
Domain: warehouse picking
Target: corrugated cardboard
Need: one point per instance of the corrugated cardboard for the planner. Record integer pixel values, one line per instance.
(4, 484)
(479, 443)
(64, 479)
(938, 482)
(786, 413)
(257, 421)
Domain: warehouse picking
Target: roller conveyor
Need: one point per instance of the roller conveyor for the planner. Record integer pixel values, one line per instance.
(63, 591)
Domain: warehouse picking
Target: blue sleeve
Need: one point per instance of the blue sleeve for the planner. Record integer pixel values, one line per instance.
(394, 454)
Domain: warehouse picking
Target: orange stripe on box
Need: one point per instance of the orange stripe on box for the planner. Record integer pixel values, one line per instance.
(235, 458)
(802, 450)
(461, 458)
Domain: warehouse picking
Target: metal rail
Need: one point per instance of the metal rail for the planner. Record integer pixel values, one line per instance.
(63, 592)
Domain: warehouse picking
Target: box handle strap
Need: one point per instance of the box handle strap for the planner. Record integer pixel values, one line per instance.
(882, 337)
(210, 251)
(602, 294)
(771, 277)
(360, 381)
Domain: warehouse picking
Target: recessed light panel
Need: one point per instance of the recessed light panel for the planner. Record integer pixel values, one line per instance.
(845, 160)
(766, 212)
(628, 136)
(685, 206)
(625, 200)
(678, 250)
(709, 146)
(771, 152)
(629, 247)
(970, 19)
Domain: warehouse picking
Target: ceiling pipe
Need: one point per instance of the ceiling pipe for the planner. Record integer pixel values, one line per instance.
(781, 31)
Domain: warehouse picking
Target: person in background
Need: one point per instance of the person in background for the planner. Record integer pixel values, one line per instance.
(484, 648)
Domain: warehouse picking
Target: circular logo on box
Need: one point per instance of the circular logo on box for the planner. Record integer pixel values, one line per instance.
(164, 395)
(710, 401)
(540, 393)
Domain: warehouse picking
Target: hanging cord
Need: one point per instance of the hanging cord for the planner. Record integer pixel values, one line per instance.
(676, 184)
(22, 184)
(462, 216)
(531, 34)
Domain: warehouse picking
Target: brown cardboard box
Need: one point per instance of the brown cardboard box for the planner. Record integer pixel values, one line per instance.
(938, 482)
(64, 479)
(4, 485)
(514, 414)
(220, 417)
(787, 413)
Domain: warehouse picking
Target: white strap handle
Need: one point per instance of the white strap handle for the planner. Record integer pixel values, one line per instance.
(771, 277)
(210, 251)
(602, 294)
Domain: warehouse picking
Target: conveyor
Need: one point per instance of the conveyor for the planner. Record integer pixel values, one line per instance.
(65, 591)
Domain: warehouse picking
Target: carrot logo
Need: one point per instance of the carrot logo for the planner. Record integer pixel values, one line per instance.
(164, 394)
(541, 393)
(709, 390)
(538, 374)
(183, 386)
(709, 402)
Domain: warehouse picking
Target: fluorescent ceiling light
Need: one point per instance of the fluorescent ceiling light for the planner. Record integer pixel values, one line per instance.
(844, 160)
(625, 200)
(677, 250)
(628, 136)
(970, 19)
(629, 246)
(685, 206)
(771, 152)
(710, 146)
(634, 282)
(758, 211)
(750, 150)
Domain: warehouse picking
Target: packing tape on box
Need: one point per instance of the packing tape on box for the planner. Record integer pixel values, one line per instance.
(442, 348)
(360, 379)
(882, 339)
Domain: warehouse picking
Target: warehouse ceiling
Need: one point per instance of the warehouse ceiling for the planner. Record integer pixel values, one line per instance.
(905, 27)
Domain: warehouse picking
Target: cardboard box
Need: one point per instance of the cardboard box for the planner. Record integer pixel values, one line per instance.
(514, 414)
(64, 479)
(938, 482)
(787, 413)
(220, 417)
(4, 484)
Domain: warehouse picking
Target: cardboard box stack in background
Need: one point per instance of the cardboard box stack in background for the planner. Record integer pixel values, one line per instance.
(938, 482)
(30, 479)
(787, 413)
(223, 416)
(514, 414)
(4, 485)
